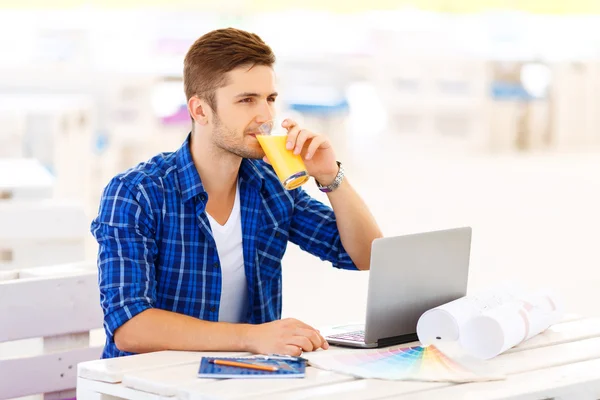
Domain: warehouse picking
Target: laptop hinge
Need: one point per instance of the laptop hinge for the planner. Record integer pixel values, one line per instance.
(411, 337)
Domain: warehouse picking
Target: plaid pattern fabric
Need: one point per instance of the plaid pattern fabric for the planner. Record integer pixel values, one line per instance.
(156, 247)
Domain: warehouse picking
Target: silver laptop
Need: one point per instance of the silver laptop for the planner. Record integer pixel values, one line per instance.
(409, 275)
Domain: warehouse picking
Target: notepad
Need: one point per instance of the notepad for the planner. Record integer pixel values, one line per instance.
(292, 368)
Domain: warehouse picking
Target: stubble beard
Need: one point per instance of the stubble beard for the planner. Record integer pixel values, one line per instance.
(229, 141)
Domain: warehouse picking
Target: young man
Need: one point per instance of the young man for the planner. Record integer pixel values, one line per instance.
(191, 242)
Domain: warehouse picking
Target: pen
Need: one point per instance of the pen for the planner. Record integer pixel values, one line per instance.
(244, 365)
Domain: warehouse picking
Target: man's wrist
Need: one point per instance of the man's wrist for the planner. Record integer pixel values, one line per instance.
(244, 335)
(331, 182)
(328, 178)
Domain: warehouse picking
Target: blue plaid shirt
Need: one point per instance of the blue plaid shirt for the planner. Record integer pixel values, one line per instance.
(156, 247)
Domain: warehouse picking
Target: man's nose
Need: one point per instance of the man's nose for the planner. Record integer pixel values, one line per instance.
(265, 113)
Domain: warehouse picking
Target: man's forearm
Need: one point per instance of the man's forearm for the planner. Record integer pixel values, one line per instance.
(355, 222)
(156, 330)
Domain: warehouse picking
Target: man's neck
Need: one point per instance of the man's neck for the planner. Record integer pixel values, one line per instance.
(217, 168)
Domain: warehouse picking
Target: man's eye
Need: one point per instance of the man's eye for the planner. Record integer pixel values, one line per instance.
(271, 99)
(246, 100)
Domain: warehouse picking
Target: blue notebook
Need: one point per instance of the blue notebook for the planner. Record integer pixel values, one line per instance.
(287, 367)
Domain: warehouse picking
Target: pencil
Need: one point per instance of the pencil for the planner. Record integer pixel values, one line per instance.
(245, 365)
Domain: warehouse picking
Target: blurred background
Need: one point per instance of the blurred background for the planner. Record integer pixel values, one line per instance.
(445, 113)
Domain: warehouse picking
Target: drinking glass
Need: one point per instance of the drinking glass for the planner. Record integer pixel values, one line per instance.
(289, 167)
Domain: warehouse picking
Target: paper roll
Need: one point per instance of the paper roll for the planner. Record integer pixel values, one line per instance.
(444, 323)
(499, 329)
(437, 325)
(488, 335)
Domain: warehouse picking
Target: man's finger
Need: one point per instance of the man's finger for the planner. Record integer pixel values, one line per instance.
(301, 324)
(314, 145)
(292, 136)
(288, 123)
(301, 140)
(292, 350)
(313, 336)
(324, 344)
(303, 342)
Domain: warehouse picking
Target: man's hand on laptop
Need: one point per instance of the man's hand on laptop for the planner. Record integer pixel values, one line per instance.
(287, 336)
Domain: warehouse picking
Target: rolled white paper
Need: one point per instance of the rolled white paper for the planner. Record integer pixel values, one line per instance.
(444, 323)
(499, 329)
(437, 324)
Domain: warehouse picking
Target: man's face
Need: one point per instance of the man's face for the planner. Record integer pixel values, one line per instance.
(243, 105)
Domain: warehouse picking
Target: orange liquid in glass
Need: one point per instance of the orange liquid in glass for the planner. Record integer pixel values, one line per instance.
(288, 166)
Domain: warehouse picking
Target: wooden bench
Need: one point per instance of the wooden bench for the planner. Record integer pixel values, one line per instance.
(56, 306)
(24, 179)
(44, 232)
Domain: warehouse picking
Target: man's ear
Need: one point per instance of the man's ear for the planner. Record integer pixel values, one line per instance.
(199, 110)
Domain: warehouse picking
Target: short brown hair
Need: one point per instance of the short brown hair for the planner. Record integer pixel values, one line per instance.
(216, 53)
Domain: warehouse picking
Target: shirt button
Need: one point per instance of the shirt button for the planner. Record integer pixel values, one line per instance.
(216, 264)
(277, 234)
(213, 309)
(203, 197)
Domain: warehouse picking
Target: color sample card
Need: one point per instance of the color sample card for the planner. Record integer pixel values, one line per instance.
(404, 363)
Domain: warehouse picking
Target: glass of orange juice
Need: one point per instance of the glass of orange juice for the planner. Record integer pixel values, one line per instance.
(289, 167)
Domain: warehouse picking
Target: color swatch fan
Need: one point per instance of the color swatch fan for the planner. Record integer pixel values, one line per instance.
(405, 363)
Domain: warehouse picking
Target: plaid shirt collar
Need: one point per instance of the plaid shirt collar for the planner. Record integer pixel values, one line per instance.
(189, 182)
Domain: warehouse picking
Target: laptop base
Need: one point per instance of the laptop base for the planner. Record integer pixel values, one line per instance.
(412, 337)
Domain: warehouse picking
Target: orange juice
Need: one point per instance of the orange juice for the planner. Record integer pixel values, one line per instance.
(288, 166)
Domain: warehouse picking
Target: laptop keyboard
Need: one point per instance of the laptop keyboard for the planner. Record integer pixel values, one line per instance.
(356, 336)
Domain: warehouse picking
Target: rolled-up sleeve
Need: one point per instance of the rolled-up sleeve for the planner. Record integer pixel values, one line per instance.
(126, 253)
(314, 228)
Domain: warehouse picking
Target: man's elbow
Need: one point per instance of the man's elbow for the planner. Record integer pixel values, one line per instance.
(127, 339)
(364, 266)
(123, 340)
(364, 263)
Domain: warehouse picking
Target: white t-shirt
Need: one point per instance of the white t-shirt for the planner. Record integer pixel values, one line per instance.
(234, 288)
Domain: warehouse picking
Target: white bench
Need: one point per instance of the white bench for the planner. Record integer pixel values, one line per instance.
(39, 233)
(58, 131)
(47, 314)
(24, 179)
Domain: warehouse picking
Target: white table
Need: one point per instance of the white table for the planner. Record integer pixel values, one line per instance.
(562, 362)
